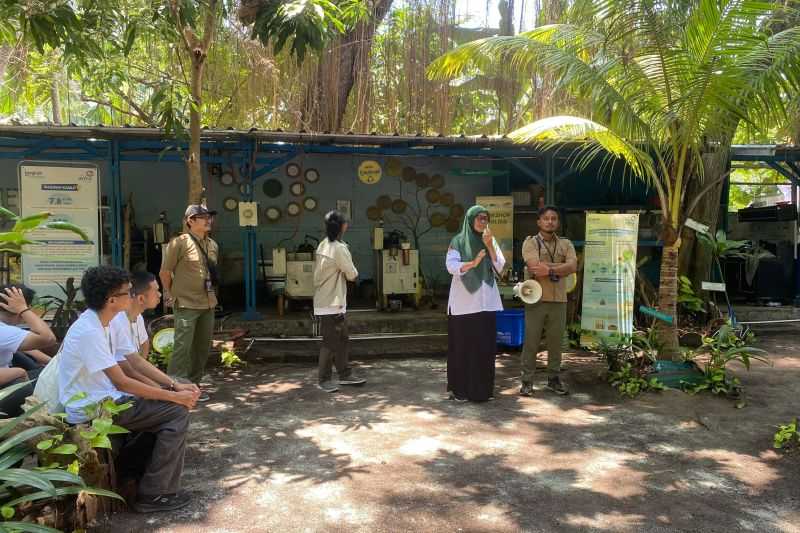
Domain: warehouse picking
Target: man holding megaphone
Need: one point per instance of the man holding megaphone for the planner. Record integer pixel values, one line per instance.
(550, 259)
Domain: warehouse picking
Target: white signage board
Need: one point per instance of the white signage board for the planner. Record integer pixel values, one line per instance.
(71, 193)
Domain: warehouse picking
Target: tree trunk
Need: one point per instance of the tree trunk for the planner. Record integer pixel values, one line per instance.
(695, 259)
(668, 300)
(6, 52)
(193, 158)
(327, 96)
(55, 99)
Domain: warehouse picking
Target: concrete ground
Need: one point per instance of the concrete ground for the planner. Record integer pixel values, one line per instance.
(271, 452)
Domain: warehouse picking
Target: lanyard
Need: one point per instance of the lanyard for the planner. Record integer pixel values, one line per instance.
(135, 334)
(551, 253)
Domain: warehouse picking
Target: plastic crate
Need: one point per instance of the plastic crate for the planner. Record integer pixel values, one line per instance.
(511, 327)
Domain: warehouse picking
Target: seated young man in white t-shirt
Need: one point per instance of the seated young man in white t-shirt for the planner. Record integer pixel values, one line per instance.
(87, 366)
(15, 309)
(133, 343)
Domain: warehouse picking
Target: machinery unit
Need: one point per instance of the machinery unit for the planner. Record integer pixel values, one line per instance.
(300, 275)
(400, 270)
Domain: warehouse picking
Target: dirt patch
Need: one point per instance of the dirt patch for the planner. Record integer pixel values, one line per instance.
(271, 452)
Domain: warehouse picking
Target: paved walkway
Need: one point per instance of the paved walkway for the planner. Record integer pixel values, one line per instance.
(273, 453)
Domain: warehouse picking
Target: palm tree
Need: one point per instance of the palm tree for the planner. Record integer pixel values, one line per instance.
(668, 83)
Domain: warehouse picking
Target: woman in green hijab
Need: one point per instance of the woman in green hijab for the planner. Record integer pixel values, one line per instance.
(473, 259)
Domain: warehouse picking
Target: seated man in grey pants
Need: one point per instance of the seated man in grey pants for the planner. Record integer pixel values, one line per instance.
(549, 259)
(87, 367)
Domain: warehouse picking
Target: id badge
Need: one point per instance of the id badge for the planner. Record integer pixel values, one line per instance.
(209, 286)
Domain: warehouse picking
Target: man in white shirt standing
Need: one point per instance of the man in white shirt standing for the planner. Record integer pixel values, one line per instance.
(87, 366)
(15, 309)
(132, 342)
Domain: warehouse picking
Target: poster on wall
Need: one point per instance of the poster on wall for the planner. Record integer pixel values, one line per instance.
(609, 275)
(501, 222)
(71, 194)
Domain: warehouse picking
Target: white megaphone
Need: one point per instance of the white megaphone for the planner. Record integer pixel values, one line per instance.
(529, 291)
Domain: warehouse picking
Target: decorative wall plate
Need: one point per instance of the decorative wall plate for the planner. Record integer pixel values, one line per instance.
(273, 213)
(393, 167)
(293, 209)
(226, 178)
(312, 175)
(292, 170)
(310, 203)
(457, 211)
(452, 225)
(384, 202)
(297, 188)
(230, 203)
(399, 206)
(373, 213)
(409, 174)
(446, 199)
(272, 188)
(437, 181)
(423, 180)
(438, 220)
(432, 196)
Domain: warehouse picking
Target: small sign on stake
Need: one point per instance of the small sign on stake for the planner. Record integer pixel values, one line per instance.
(697, 226)
(715, 287)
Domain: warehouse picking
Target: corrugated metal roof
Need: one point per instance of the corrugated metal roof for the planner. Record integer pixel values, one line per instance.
(299, 137)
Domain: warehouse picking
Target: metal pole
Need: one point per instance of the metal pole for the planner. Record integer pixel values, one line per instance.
(116, 206)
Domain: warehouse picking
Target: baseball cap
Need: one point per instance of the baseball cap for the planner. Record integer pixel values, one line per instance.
(197, 209)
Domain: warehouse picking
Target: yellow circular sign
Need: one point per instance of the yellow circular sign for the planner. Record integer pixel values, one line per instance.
(369, 172)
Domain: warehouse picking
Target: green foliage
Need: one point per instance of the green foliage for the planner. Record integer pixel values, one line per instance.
(230, 359)
(23, 485)
(305, 24)
(787, 436)
(574, 332)
(161, 360)
(687, 297)
(630, 382)
(12, 241)
(67, 309)
(725, 346)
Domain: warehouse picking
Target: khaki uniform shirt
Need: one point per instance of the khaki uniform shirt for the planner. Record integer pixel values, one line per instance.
(564, 251)
(189, 273)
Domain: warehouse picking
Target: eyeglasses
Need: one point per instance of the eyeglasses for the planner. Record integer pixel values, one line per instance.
(201, 217)
(121, 294)
(482, 218)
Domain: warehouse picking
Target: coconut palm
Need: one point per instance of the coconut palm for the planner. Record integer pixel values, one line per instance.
(668, 83)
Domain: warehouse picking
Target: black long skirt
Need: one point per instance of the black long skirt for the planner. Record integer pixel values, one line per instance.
(471, 343)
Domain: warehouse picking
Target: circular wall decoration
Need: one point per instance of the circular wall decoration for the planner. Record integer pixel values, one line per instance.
(272, 188)
(437, 181)
(297, 188)
(230, 203)
(432, 196)
(384, 202)
(399, 206)
(312, 175)
(369, 172)
(438, 220)
(456, 211)
(226, 179)
(423, 180)
(409, 174)
(273, 213)
(292, 170)
(310, 203)
(446, 199)
(373, 213)
(394, 167)
(293, 209)
(452, 225)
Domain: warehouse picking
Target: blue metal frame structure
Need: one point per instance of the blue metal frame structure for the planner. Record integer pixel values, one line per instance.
(259, 153)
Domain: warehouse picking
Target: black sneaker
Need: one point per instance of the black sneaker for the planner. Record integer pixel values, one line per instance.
(328, 386)
(526, 389)
(457, 398)
(162, 502)
(352, 379)
(555, 385)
